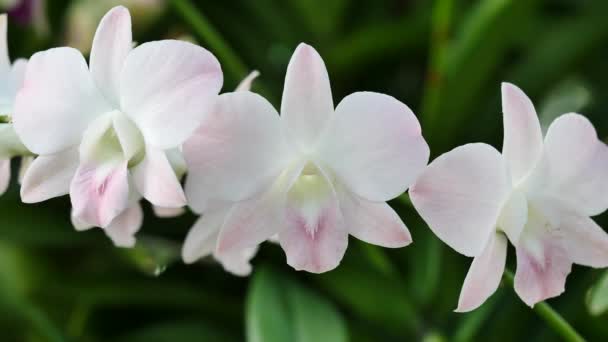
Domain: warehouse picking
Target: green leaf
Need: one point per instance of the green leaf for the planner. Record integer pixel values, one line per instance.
(597, 297)
(279, 309)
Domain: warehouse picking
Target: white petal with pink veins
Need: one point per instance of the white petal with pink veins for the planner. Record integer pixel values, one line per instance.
(543, 263)
(315, 237)
(123, 228)
(100, 192)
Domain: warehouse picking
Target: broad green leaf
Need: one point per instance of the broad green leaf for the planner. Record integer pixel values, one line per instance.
(279, 309)
(597, 297)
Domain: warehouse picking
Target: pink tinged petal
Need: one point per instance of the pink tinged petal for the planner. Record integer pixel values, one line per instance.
(460, 195)
(111, 45)
(373, 222)
(234, 151)
(5, 175)
(49, 176)
(5, 62)
(57, 102)
(484, 275)
(78, 223)
(202, 238)
(315, 237)
(253, 221)
(166, 88)
(156, 181)
(585, 241)
(123, 228)
(542, 262)
(576, 165)
(514, 215)
(239, 263)
(100, 192)
(374, 145)
(167, 212)
(523, 142)
(245, 84)
(307, 102)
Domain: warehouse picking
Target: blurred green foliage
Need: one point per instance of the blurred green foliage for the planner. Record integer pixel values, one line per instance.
(444, 58)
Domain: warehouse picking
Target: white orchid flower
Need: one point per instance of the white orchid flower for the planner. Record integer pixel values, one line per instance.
(314, 175)
(11, 80)
(539, 196)
(202, 237)
(97, 129)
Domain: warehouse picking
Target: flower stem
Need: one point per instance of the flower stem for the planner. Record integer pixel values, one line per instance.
(551, 317)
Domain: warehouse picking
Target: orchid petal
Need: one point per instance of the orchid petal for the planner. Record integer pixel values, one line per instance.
(307, 101)
(111, 45)
(542, 262)
(123, 228)
(245, 84)
(460, 195)
(49, 176)
(157, 182)
(167, 87)
(239, 263)
(10, 87)
(514, 215)
(78, 223)
(252, 221)
(522, 145)
(576, 165)
(585, 241)
(57, 102)
(234, 151)
(374, 145)
(99, 191)
(202, 237)
(484, 275)
(315, 237)
(373, 222)
(5, 175)
(167, 212)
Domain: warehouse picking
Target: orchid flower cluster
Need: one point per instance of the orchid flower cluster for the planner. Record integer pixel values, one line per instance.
(131, 122)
